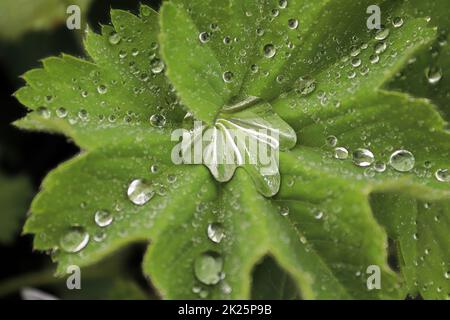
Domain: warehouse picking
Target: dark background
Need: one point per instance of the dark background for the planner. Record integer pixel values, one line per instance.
(35, 154)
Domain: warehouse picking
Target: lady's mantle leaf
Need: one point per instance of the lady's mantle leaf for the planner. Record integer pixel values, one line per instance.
(321, 78)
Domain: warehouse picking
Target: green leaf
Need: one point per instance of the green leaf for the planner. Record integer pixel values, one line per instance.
(15, 194)
(427, 74)
(322, 78)
(20, 16)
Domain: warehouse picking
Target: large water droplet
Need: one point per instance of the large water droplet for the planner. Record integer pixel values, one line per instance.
(103, 218)
(74, 240)
(402, 160)
(215, 232)
(363, 157)
(208, 267)
(140, 192)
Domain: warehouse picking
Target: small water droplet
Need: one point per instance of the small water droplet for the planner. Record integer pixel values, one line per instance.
(332, 141)
(228, 76)
(363, 157)
(341, 153)
(293, 24)
(157, 66)
(61, 112)
(74, 240)
(382, 34)
(433, 74)
(269, 51)
(158, 120)
(114, 38)
(102, 89)
(305, 85)
(215, 232)
(397, 22)
(140, 192)
(379, 166)
(43, 112)
(154, 168)
(284, 211)
(402, 160)
(103, 218)
(374, 59)
(380, 47)
(208, 267)
(442, 175)
(204, 37)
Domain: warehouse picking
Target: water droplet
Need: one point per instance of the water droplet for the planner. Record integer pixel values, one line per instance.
(402, 160)
(293, 24)
(154, 168)
(228, 76)
(204, 37)
(74, 240)
(382, 34)
(374, 59)
(283, 4)
(157, 66)
(379, 166)
(305, 85)
(433, 74)
(61, 112)
(140, 192)
(208, 267)
(341, 153)
(103, 218)
(114, 38)
(99, 236)
(363, 157)
(269, 51)
(356, 62)
(215, 232)
(397, 22)
(318, 215)
(380, 47)
(442, 175)
(158, 120)
(284, 211)
(43, 112)
(102, 89)
(332, 141)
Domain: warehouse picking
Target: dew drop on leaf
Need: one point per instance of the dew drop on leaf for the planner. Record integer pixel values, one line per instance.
(208, 267)
(363, 157)
(215, 232)
(102, 89)
(284, 211)
(442, 175)
(332, 141)
(402, 160)
(114, 38)
(43, 112)
(140, 192)
(269, 51)
(397, 22)
(379, 166)
(103, 218)
(433, 74)
(61, 112)
(382, 34)
(204, 37)
(341, 153)
(228, 76)
(293, 24)
(157, 120)
(157, 66)
(74, 240)
(305, 85)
